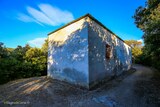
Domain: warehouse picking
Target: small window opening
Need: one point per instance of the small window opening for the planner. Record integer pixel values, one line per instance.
(108, 51)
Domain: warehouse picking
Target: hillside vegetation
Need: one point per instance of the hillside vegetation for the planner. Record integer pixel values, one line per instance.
(148, 20)
(22, 62)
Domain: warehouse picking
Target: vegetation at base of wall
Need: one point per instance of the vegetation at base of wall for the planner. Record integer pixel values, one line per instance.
(22, 62)
(147, 18)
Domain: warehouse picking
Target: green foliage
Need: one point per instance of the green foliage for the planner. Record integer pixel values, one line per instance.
(45, 48)
(3, 51)
(22, 62)
(33, 53)
(148, 19)
(136, 49)
(134, 43)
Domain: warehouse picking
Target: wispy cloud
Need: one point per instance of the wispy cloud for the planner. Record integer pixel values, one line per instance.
(46, 15)
(26, 18)
(37, 42)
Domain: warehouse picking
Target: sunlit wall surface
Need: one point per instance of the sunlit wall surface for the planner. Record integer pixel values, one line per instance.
(77, 53)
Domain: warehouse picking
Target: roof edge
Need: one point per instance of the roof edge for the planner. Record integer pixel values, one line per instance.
(90, 16)
(70, 23)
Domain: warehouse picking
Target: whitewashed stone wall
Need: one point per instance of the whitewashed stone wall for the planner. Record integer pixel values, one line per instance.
(99, 66)
(68, 54)
(77, 54)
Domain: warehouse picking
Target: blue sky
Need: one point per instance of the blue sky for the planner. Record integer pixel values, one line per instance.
(29, 21)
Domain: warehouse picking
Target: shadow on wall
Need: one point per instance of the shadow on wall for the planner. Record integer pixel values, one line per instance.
(68, 60)
(97, 62)
(64, 58)
(75, 75)
(100, 66)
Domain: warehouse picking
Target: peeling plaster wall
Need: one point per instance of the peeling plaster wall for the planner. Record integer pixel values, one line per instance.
(68, 54)
(77, 54)
(99, 66)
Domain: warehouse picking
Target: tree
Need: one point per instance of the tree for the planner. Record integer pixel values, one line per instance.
(18, 53)
(45, 48)
(134, 43)
(33, 53)
(3, 51)
(38, 60)
(136, 47)
(148, 20)
(22, 62)
(136, 51)
(26, 47)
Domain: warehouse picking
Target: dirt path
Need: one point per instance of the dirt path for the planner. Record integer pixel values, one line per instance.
(43, 92)
(123, 94)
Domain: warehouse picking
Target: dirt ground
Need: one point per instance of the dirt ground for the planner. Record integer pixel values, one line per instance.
(135, 88)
